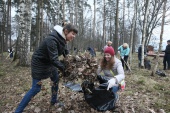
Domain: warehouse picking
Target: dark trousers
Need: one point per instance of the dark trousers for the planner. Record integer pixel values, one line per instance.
(140, 60)
(123, 62)
(166, 61)
(36, 87)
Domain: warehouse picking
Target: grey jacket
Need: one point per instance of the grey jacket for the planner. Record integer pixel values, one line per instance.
(117, 71)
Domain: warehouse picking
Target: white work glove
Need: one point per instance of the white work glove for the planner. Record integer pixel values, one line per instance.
(111, 83)
(118, 52)
(122, 57)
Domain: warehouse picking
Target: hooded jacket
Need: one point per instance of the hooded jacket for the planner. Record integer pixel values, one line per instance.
(45, 58)
(124, 52)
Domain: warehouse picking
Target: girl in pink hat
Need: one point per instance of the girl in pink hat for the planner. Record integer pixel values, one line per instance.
(111, 68)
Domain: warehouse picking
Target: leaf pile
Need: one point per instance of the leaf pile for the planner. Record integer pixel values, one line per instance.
(80, 67)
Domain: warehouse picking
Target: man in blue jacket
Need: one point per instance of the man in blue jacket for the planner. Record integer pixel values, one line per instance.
(45, 61)
(124, 51)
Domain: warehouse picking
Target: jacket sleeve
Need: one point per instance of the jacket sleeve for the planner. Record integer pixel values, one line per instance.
(127, 52)
(53, 54)
(99, 70)
(120, 72)
(119, 48)
(66, 52)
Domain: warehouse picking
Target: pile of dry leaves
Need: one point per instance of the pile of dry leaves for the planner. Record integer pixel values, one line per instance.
(80, 67)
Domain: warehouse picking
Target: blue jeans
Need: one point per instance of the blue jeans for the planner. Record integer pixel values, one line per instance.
(36, 89)
(115, 89)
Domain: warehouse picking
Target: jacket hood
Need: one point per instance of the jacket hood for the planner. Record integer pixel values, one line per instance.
(59, 29)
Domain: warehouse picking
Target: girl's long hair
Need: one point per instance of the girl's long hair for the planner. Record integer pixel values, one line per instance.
(107, 65)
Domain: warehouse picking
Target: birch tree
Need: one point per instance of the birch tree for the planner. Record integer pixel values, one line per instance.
(24, 32)
(94, 20)
(38, 23)
(104, 21)
(2, 28)
(161, 36)
(123, 36)
(144, 30)
(133, 30)
(116, 27)
(63, 10)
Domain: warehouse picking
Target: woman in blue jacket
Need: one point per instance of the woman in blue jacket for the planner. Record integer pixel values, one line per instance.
(124, 51)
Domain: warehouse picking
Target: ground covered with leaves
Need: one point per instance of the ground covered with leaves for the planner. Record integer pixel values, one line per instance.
(143, 93)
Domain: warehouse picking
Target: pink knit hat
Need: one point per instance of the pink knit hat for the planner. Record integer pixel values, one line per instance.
(110, 50)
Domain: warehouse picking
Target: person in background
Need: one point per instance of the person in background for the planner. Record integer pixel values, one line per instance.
(91, 51)
(75, 51)
(109, 43)
(11, 53)
(166, 59)
(111, 68)
(140, 54)
(124, 51)
(45, 61)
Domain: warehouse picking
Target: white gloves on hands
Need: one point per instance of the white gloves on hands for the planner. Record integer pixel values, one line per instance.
(122, 57)
(111, 83)
(118, 52)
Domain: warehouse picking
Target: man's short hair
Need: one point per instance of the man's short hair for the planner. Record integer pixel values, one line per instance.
(70, 27)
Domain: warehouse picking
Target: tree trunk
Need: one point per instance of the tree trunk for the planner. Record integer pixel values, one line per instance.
(123, 36)
(38, 24)
(63, 10)
(94, 21)
(2, 28)
(144, 30)
(132, 31)
(9, 23)
(25, 31)
(42, 23)
(116, 27)
(161, 35)
(7, 28)
(104, 21)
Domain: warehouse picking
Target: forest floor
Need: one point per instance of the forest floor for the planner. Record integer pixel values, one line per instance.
(143, 93)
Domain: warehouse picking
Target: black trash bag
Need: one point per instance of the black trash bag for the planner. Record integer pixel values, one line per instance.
(160, 73)
(102, 79)
(98, 98)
